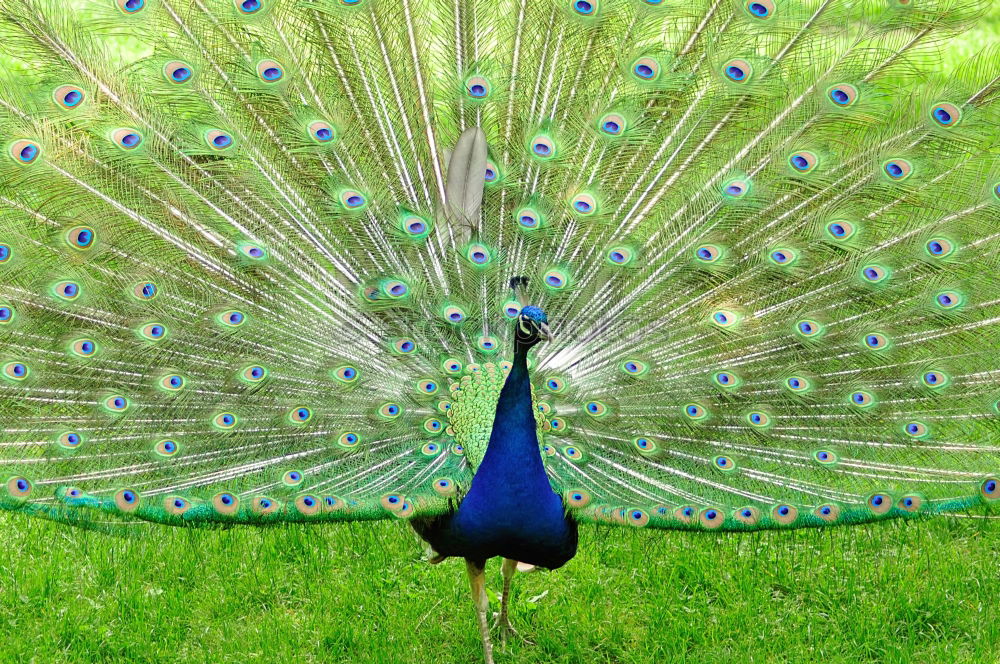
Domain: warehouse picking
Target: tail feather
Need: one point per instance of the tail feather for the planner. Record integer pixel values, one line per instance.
(264, 271)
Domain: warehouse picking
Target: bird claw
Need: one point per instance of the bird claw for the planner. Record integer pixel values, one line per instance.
(507, 631)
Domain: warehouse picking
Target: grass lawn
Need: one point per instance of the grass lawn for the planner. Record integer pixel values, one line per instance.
(903, 592)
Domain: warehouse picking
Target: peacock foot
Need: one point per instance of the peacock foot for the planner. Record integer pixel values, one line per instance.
(507, 631)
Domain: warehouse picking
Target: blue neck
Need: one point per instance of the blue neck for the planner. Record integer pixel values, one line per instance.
(512, 452)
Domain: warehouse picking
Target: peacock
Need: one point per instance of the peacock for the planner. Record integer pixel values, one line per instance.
(497, 268)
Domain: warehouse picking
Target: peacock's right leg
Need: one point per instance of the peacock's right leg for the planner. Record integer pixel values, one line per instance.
(477, 580)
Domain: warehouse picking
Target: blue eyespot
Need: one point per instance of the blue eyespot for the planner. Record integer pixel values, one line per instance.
(72, 98)
(584, 7)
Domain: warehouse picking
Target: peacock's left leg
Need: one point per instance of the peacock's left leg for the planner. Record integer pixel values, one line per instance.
(477, 580)
(509, 568)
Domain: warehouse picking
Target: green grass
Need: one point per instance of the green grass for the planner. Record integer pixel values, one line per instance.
(892, 592)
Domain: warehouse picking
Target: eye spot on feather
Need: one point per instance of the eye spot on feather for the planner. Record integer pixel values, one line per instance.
(67, 290)
(145, 291)
(270, 71)
(803, 161)
(897, 169)
(620, 255)
(939, 247)
(555, 280)
(292, 478)
(862, 399)
(840, 230)
(726, 379)
(433, 425)
(910, 503)
(585, 7)
(404, 346)
(477, 87)
(737, 71)
(115, 403)
(634, 367)
(444, 486)
(528, 218)
(829, 512)
(708, 253)
(176, 505)
(935, 380)
(253, 252)
(949, 300)
(25, 151)
(644, 445)
(695, 412)
(758, 419)
(127, 500)
(747, 515)
(543, 147)
(724, 464)
(451, 366)
(596, 409)
(636, 517)
(785, 514)
(453, 314)
(300, 415)
(217, 139)
(760, 9)
(825, 457)
(172, 382)
(224, 421)
(80, 237)
(874, 274)
(254, 373)
(153, 331)
(990, 489)
(557, 424)
(131, 6)
(126, 138)
(307, 505)
(389, 411)
(177, 72)
(166, 448)
(916, 430)
(783, 256)
(6, 314)
(555, 384)
(612, 124)
(69, 440)
(263, 505)
(711, 518)
(584, 204)
(349, 439)
(430, 449)
(84, 348)
(18, 487)
(724, 318)
(876, 341)
(458, 449)
(249, 6)
(736, 189)
(842, 95)
(68, 96)
(879, 503)
(798, 384)
(577, 498)
(946, 114)
(16, 371)
(225, 503)
(646, 69)
(478, 254)
(321, 132)
(5, 253)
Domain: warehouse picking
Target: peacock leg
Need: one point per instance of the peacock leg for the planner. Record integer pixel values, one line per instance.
(509, 568)
(477, 580)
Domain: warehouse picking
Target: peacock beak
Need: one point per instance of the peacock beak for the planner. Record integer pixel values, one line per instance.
(546, 333)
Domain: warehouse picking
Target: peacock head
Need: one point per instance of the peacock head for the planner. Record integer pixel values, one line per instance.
(532, 326)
